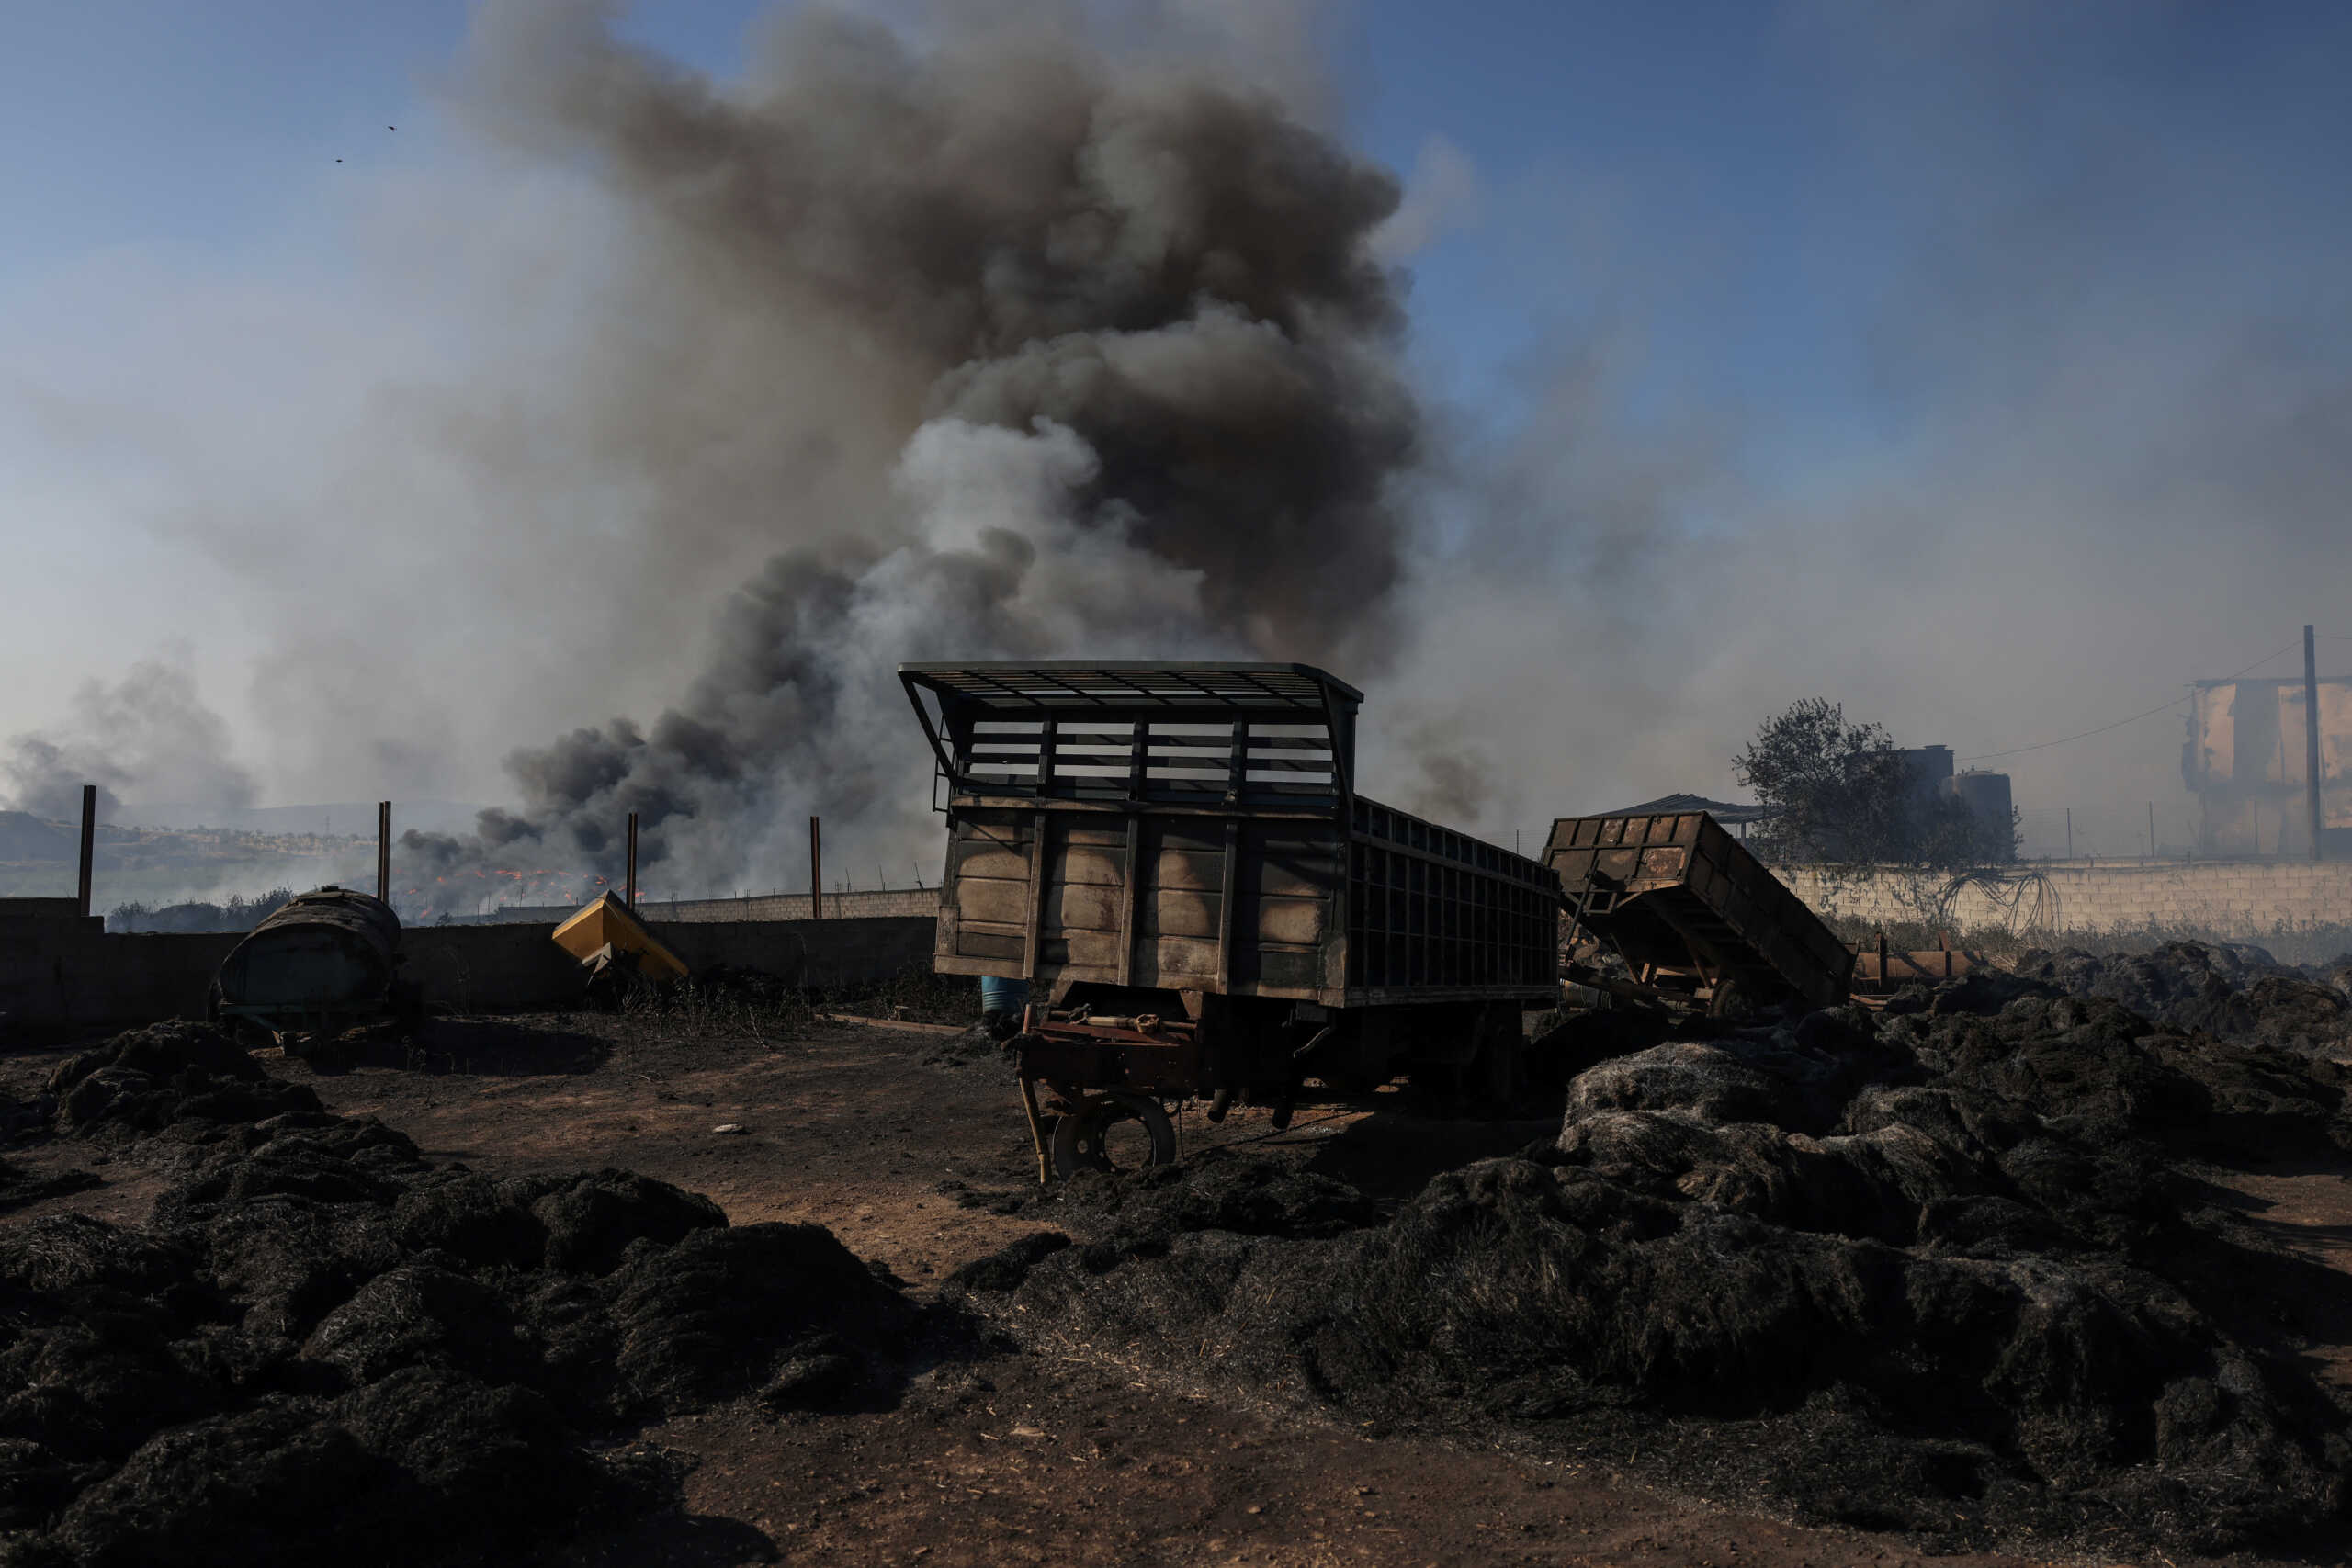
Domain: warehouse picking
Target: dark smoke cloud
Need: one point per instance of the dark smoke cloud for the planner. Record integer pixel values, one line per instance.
(1114, 349)
(654, 394)
(148, 736)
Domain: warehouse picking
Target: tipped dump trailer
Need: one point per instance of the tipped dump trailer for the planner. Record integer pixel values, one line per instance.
(323, 960)
(1174, 857)
(614, 948)
(1684, 903)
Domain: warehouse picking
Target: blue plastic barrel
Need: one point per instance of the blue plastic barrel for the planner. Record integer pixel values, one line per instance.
(1003, 997)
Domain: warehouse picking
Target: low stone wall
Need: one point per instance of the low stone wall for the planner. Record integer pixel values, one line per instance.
(872, 903)
(2240, 900)
(68, 975)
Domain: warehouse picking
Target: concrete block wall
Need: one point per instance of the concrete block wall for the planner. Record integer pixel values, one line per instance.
(2243, 900)
(489, 969)
(872, 904)
(68, 976)
(827, 955)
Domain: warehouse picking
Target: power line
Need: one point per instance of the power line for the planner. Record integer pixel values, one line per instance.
(2143, 713)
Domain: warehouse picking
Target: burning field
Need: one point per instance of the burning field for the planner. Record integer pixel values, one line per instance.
(2003, 1269)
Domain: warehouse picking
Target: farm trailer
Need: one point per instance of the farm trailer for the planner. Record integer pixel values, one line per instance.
(1175, 859)
(1687, 905)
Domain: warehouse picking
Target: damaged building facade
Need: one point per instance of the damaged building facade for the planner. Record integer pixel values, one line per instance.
(2246, 759)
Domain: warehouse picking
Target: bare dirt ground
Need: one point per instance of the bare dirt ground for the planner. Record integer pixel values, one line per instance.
(1017, 1457)
(2308, 1211)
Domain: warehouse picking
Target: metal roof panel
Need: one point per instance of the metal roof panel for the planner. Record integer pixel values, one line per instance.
(1121, 684)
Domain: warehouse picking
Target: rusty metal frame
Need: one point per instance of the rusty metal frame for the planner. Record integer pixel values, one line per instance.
(1708, 907)
(1071, 1057)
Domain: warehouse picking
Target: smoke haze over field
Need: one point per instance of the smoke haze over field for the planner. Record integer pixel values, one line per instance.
(148, 731)
(2100, 449)
(639, 423)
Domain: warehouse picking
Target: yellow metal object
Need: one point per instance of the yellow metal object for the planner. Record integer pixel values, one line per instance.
(608, 923)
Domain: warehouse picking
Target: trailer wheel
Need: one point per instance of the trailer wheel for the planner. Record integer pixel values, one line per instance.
(1117, 1130)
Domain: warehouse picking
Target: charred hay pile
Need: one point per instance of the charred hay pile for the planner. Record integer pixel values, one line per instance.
(324, 1347)
(1949, 1272)
(2234, 993)
(26, 1121)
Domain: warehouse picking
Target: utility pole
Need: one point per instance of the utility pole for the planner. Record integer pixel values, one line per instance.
(816, 874)
(2070, 832)
(89, 843)
(384, 851)
(2310, 733)
(2152, 829)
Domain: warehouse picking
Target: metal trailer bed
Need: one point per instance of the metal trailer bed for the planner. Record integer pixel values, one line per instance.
(1174, 857)
(1681, 899)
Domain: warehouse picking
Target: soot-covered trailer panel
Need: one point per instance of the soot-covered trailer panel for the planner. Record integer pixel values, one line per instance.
(1671, 890)
(1193, 827)
(1391, 910)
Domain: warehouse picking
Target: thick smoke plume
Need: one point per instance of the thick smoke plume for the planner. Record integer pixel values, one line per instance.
(1024, 349)
(148, 735)
(2000, 392)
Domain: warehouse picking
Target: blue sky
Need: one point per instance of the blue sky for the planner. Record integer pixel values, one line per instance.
(214, 129)
(1714, 128)
(1976, 364)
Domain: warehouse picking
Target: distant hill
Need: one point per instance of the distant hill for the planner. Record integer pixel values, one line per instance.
(338, 816)
(164, 865)
(24, 837)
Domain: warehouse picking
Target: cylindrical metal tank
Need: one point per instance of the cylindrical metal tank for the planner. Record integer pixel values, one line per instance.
(328, 951)
(1926, 772)
(1003, 997)
(1986, 795)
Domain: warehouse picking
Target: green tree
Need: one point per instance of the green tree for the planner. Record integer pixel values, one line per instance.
(1841, 794)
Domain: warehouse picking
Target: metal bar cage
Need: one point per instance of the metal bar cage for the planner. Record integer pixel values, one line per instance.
(1201, 734)
(1431, 907)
